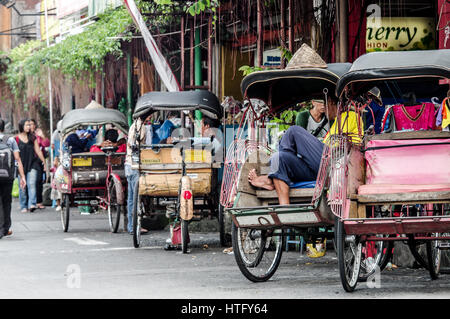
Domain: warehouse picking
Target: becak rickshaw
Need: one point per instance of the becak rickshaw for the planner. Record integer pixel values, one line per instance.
(179, 178)
(260, 223)
(94, 178)
(393, 186)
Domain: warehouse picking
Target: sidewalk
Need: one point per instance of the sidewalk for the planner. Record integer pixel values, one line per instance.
(48, 220)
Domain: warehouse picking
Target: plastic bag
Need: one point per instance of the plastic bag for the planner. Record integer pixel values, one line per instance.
(317, 249)
(15, 189)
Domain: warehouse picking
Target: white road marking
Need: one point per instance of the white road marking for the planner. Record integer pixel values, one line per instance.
(83, 241)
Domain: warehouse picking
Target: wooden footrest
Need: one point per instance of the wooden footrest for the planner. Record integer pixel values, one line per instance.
(293, 193)
(404, 198)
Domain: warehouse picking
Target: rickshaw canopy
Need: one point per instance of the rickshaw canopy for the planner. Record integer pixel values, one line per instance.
(281, 88)
(202, 100)
(374, 67)
(83, 117)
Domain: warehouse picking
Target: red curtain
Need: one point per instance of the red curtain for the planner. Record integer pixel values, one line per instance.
(356, 28)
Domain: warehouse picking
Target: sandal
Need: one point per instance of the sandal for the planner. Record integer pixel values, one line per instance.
(24, 210)
(40, 206)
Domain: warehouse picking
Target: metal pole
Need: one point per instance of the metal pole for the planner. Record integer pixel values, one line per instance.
(191, 56)
(183, 119)
(198, 59)
(129, 87)
(259, 43)
(210, 53)
(49, 89)
(291, 27)
(343, 31)
(283, 31)
(182, 53)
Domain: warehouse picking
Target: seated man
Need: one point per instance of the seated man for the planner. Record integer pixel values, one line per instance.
(166, 129)
(299, 155)
(314, 120)
(375, 110)
(79, 140)
(208, 138)
(111, 137)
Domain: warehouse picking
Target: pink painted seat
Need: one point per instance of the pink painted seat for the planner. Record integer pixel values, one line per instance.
(415, 168)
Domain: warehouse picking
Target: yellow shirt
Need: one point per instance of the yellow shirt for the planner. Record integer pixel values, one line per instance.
(349, 123)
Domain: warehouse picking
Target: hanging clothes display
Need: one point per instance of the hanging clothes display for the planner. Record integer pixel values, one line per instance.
(415, 117)
(446, 114)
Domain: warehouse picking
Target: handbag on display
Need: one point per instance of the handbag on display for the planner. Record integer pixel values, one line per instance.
(414, 117)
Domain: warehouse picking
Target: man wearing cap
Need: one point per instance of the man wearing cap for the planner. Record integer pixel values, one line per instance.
(375, 111)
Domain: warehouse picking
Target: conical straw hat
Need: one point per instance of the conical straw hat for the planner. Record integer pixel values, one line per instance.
(94, 105)
(306, 57)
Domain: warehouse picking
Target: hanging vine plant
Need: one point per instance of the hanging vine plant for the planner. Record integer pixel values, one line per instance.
(81, 53)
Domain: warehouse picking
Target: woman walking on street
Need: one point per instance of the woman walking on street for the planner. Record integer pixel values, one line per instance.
(30, 154)
(43, 142)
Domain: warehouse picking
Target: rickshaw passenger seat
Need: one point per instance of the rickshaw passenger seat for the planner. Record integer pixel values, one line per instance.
(406, 166)
(308, 184)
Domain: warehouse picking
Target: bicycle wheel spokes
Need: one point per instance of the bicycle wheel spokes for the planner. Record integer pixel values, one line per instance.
(257, 252)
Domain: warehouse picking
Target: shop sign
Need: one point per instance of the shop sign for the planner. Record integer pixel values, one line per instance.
(271, 58)
(399, 34)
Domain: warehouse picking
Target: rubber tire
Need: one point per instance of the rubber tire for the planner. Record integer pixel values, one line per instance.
(386, 257)
(114, 219)
(348, 287)
(136, 218)
(242, 265)
(65, 213)
(184, 236)
(434, 273)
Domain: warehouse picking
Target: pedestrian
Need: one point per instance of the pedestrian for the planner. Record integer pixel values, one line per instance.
(132, 175)
(56, 139)
(55, 194)
(30, 154)
(43, 142)
(9, 152)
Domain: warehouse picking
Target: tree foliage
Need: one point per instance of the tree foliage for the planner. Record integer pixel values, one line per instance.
(83, 52)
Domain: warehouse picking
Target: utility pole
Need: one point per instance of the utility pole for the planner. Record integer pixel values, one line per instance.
(343, 31)
(50, 102)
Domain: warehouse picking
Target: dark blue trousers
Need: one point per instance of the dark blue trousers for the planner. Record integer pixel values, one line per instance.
(298, 157)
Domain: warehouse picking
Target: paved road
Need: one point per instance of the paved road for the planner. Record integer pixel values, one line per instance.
(41, 261)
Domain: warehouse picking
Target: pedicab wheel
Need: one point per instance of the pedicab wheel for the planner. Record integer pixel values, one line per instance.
(65, 213)
(349, 257)
(257, 252)
(184, 236)
(114, 209)
(433, 257)
(137, 216)
(381, 251)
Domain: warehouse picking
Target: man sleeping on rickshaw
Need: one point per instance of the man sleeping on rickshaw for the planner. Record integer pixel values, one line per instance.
(299, 155)
(111, 140)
